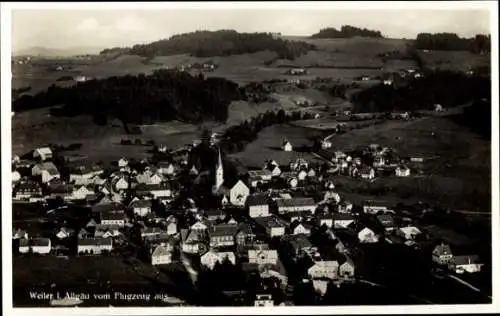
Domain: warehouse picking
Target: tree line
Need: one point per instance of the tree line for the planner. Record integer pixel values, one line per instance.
(217, 43)
(450, 41)
(161, 96)
(346, 31)
(447, 88)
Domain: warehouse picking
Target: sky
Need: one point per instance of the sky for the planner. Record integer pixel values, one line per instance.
(68, 28)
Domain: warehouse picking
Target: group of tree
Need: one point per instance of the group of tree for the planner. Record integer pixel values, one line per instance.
(447, 88)
(450, 41)
(217, 43)
(161, 96)
(236, 137)
(346, 31)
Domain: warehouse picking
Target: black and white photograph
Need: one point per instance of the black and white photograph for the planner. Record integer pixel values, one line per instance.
(252, 157)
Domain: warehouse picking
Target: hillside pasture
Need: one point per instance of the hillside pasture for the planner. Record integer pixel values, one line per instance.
(268, 146)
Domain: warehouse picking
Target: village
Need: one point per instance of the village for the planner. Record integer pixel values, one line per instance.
(285, 226)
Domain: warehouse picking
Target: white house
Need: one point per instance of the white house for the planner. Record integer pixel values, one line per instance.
(16, 176)
(408, 232)
(123, 162)
(402, 171)
(302, 175)
(367, 173)
(81, 193)
(238, 193)
(287, 146)
(166, 169)
(301, 229)
(113, 218)
(94, 245)
(37, 245)
(275, 170)
(161, 255)
(121, 184)
(373, 208)
(366, 235)
(442, 254)
(43, 153)
(264, 300)
(469, 264)
(47, 170)
(323, 269)
(141, 207)
(342, 220)
(258, 205)
(263, 256)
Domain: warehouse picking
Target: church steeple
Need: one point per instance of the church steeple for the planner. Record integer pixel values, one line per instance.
(219, 172)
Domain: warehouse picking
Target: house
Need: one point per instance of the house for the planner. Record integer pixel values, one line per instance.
(273, 226)
(373, 207)
(324, 269)
(469, 264)
(302, 175)
(26, 190)
(245, 234)
(262, 255)
(81, 193)
(193, 171)
(264, 175)
(121, 184)
(341, 220)
(286, 146)
(236, 191)
(408, 232)
(346, 269)
(275, 170)
(36, 245)
(161, 255)
(148, 232)
(295, 205)
(299, 246)
(166, 168)
(84, 175)
(94, 245)
(47, 171)
(298, 228)
(442, 254)
(366, 235)
(211, 258)
(20, 234)
(141, 207)
(264, 300)
(378, 161)
(122, 163)
(222, 235)
(402, 171)
(387, 221)
(331, 196)
(311, 173)
(438, 108)
(113, 218)
(214, 215)
(199, 226)
(258, 205)
(345, 207)
(16, 176)
(367, 173)
(106, 231)
(43, 153)
(155, 190)
(274, 271)
(65, 233)
(192, 241)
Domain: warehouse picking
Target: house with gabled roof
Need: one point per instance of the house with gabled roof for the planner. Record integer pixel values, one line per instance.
(296, 205)
(258, 205)
(408, 232)
(262, 255)
(94, 245)
(161, 255)
(211, 258)
(298, 228)
(26, 190)
(46, 170)
(36, 245)
(42, 153)
(141, 207)
(166, 168)
(366, 235)
(106, 231)
(113, 218)
(402, 171)
(222, 235)
(387, 221)
(442, 254)
(324, 269)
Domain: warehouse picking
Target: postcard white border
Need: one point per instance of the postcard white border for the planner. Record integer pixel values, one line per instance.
(6, 9)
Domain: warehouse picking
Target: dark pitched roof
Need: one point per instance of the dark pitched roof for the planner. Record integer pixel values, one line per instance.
(112, 216)
(295, 202)
(224, 230)
(141, 203)
(94, 242)
(257, 199)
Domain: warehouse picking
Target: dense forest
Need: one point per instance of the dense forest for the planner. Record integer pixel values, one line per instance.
(451, 41)
(217, 43)
(161, 96)
(439, 87)
(346, 31)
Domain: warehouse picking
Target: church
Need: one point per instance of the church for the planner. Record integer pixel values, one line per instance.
(235, 191)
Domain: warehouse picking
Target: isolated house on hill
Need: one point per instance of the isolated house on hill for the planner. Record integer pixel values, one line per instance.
(286, 146)
(442, 254)
(43, 153)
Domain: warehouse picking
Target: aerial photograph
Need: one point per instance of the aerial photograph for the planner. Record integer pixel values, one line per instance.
(250, 157)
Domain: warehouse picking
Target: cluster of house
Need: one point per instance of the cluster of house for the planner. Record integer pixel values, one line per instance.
(374, 160)
(216, 235)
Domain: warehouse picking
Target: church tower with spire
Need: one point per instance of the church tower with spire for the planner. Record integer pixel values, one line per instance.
(219, 173)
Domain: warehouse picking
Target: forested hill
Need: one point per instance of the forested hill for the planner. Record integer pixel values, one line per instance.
(346, 31)
(439, 87)
(451, 41)
(164, 95)
(217, 43)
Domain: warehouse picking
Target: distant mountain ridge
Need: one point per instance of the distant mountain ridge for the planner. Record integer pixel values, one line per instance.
(57, 52)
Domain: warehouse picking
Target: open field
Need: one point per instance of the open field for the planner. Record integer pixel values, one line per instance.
(268, 144)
